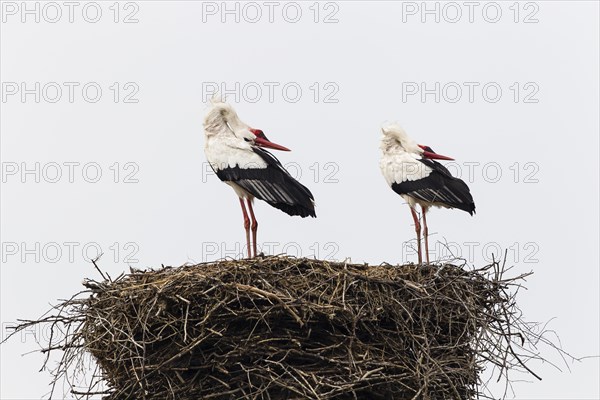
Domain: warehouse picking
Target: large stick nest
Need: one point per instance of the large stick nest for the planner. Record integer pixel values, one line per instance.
(286, 328)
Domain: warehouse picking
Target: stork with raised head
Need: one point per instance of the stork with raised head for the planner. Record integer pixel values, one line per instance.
(236, 152)
(410, 170)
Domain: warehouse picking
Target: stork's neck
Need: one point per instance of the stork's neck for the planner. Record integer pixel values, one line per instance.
(391, 146)
(221, 125)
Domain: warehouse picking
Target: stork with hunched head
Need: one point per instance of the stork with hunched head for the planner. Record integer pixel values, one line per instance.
(236, 152)
(410, 170)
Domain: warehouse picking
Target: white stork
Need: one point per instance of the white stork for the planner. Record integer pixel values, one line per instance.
(236, 154)
(410, 171)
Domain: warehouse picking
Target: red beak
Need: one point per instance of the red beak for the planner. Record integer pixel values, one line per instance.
(267, 143)
(262, 141)
(429, 153)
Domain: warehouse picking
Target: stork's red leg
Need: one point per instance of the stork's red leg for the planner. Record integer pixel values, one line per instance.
(425, 233)
(418, 230)
(246, 226)
(254, 225)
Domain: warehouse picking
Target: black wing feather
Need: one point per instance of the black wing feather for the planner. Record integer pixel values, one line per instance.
(440, 186)
(273, 185)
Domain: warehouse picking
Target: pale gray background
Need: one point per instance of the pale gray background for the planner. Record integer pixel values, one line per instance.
(173, 217)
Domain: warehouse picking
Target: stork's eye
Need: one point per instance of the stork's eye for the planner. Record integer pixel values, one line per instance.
(246, 139)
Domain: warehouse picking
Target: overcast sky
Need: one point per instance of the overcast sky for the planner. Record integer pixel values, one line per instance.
(102, 146)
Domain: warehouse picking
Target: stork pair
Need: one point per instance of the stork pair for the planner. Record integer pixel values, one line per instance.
(236, 153)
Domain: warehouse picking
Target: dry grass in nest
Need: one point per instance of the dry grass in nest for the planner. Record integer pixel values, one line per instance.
(286, 328)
